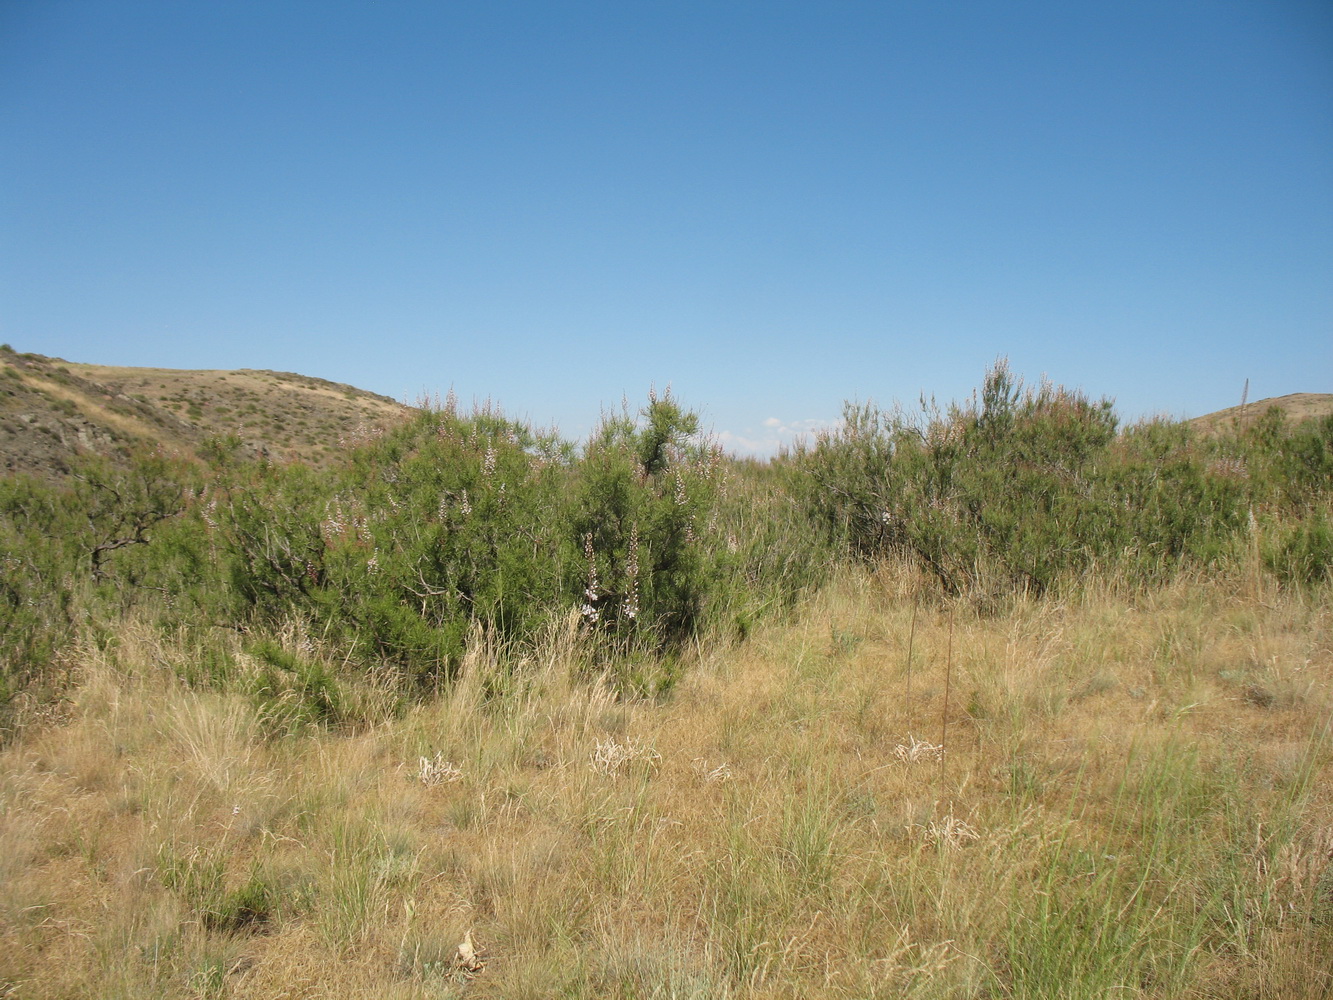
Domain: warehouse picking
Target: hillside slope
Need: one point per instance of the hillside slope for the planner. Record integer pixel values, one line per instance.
(1296, 406)
(52, 410)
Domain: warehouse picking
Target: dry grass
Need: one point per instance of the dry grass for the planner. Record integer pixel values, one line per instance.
(90, 409)
(1133, 799)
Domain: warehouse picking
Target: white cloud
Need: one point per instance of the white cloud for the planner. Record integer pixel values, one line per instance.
(775, 435)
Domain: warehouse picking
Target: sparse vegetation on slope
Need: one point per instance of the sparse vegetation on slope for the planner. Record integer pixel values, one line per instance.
(1294, 407)
(55, 413)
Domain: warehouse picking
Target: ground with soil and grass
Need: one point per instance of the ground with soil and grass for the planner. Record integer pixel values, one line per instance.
(1002, 701)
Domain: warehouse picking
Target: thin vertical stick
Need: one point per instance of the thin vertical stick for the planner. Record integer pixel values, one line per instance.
(1254, 556)
(911, 637)
(948, 674)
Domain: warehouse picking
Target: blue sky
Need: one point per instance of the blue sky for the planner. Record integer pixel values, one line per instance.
(774, 207)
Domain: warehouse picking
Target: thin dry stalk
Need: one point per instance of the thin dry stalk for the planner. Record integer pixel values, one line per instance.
(948, 675)
(911, 639)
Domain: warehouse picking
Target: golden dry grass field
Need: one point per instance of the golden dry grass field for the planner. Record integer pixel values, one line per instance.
(1115, 796)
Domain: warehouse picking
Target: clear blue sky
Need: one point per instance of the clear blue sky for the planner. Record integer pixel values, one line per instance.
(773, 206)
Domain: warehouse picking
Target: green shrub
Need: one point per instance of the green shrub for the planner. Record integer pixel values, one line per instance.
(291, 691)
(1017, 490)
(451, 525)
(200, 879)
(1302, 553)
(449, 522)
(38, 606)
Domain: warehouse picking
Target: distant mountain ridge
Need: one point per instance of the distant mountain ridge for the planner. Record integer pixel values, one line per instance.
(52, 410)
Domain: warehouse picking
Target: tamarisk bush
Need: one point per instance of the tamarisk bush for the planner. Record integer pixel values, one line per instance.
(90, 545)
(456, 525)
(452, 521)
(1023, 487)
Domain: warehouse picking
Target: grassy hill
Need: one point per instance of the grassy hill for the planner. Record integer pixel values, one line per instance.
(1295, 406)
(53, 410)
